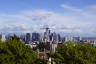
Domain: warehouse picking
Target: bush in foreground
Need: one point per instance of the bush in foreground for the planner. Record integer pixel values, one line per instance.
(16, 52)
(75, 53)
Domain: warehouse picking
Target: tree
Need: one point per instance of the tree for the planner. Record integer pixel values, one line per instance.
(14, 37)
(75, 53)
(41, 46)
(16, 52)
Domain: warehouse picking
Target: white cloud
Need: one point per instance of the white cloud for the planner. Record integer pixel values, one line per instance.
(33, 20)
(71, 8)
(92, 7)
(91, 10)
(88, 10)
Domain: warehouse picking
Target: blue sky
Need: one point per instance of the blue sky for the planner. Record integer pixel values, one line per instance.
(77, 17)
(19, 5)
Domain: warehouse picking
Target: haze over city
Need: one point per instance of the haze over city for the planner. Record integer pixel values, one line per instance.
(75, 17)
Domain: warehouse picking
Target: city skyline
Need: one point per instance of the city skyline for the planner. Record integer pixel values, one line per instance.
(75, 17)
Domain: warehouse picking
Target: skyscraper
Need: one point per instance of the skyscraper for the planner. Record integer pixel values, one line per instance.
(3, 37)
(28, 37)
(35, 37)
(47, 34)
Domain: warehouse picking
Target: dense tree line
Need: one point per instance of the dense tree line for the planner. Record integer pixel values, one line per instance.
(16, 52)
(75, 53)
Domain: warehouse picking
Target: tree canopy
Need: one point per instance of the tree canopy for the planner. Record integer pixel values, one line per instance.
(41, 46)
(16, 52)
(75, 53)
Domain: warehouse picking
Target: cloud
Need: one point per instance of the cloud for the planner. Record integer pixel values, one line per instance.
(88, 10)
(91, 10)
(33, 20)
(71, 8)
(92, 7)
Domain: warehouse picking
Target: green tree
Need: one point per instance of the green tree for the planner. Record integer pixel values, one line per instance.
(14, 37)
(41, 46)
(16, 52)
(75, 53)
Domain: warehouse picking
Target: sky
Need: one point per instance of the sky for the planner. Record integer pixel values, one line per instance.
(71, 17)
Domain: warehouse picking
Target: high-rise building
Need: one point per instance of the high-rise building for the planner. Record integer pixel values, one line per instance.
(55, 38)
(69, 38)
(35, 37)
(23, 38)
(3, 38)
(0, 36)
(8, 37)
(77, 39)
(47, 35)
(59, 38)
(28, 37)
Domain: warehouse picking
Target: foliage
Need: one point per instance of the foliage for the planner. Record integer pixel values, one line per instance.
(16, 52)
(14, 37)
(41, 46)
(40, 61)
(75, 53)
